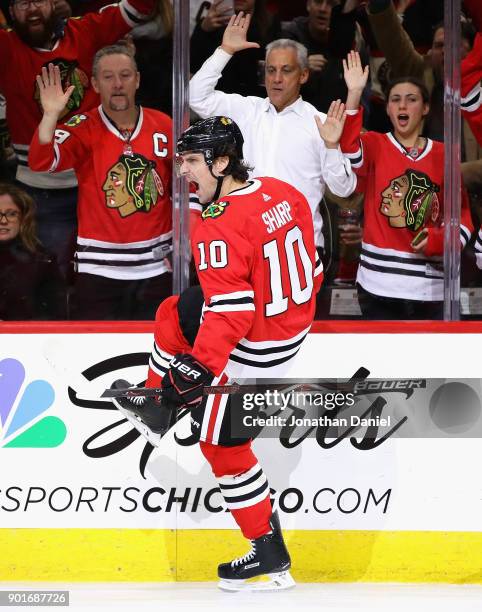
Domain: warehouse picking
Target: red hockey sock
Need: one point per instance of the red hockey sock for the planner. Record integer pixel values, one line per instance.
(243, 485)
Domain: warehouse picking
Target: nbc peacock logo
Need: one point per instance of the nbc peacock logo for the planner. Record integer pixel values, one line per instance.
(22, 405)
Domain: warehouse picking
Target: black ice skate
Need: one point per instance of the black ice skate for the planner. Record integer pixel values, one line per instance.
(145, 413)
(267, 557)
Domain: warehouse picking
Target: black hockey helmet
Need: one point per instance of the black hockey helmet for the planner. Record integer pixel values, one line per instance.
(210, 137)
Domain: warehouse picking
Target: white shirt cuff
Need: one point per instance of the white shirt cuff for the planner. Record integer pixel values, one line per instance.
(220, 58)
(353, 112)
(333, 155)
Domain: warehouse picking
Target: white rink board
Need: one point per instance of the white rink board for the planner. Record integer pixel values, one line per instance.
(401, 485)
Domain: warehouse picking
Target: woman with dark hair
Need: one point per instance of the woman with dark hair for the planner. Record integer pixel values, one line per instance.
(245, 72)
(401, 173)
(31, 286)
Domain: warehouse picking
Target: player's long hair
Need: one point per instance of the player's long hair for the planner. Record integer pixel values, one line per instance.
(26, 205)
(237, 168)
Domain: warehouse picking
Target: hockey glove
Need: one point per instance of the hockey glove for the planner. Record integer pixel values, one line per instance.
(184, 383)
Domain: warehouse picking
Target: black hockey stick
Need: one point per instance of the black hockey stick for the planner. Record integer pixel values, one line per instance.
(361, 374)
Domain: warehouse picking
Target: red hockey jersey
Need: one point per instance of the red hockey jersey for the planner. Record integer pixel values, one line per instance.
(257, 265)
(471, 89)
(471, 103)
(124, 208)
(395, 184)
(73, 53)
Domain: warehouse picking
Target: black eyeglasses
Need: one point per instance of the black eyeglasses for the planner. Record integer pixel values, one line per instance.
(10, 215)
(22, 5)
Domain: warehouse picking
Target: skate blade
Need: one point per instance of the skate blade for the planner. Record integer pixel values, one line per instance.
(272, 582)
(150, 436)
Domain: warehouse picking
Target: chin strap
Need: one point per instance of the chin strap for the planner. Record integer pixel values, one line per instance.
(218, 188)
(220, 180)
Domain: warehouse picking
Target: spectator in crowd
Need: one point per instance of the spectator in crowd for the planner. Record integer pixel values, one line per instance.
(280, 135)
(418, 18)
(122, 156)
(245, 72)
(400, 274)
(328, 33)
(404, 60)
(31, 286)
(39, 36)
(154, 40)
(7, 155)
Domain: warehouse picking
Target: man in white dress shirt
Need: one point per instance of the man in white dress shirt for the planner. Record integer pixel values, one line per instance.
(281, 138)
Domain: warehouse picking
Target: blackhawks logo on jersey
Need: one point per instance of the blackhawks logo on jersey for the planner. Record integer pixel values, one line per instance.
(214, 210)
(410, 200)
(70, 74)
(132, 185)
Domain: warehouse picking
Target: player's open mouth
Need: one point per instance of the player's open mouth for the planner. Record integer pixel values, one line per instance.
(403, 119)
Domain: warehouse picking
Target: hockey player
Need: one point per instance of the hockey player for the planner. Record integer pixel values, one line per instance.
(122, 156)
(256, 261)
(401, 173)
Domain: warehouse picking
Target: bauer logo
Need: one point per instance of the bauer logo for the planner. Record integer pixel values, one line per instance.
(22, 404)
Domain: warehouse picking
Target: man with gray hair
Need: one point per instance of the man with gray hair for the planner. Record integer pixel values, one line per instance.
(280, 134)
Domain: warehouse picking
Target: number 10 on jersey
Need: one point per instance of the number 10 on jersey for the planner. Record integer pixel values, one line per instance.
(289, 253)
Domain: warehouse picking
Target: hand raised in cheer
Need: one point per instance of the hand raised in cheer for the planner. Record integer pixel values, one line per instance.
(332, 129)
(235, 34)
(356, 76)
(52, 96)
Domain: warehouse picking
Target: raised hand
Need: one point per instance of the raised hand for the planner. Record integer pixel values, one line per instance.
(52, 96)
(235, 34)
(356, 76)
(332, 129)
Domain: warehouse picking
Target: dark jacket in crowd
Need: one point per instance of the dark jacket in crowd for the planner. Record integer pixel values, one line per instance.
(31, 286)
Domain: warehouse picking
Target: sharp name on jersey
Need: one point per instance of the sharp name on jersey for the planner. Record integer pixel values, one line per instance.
(258, 268)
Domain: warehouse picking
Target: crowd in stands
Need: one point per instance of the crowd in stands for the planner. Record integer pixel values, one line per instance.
(344, 99)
